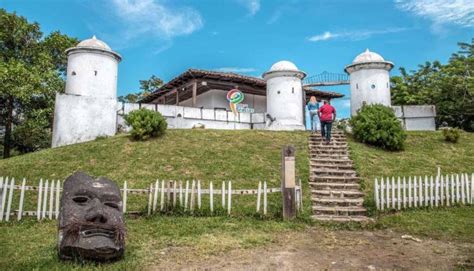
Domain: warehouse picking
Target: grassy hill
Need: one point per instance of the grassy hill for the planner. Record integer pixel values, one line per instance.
(242, 156)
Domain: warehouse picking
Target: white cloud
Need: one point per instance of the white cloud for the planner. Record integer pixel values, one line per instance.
(354, 35)
(325, 36)
(236, 69)
(156, 18)
(459, 12)
(253, 6)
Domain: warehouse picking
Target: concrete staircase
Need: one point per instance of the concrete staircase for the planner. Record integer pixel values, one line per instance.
(333, 180)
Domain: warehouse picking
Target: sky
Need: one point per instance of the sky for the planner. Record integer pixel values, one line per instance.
(166, 37)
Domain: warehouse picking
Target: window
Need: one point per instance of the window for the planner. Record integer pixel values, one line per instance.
(372, 86)
(95, 73)
(278, 92)
(293, 90)
(357, 86)
(73, 73)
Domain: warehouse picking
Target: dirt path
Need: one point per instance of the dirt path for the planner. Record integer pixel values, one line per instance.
(320, 249)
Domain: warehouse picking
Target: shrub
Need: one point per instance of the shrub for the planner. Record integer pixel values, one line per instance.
(451, 134)
(377, 125)
(146, 123)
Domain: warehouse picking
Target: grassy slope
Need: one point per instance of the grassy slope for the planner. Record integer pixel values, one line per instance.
(242, 156)
(424, 152)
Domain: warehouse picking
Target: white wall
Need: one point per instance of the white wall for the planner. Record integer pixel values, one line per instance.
(95, 74)
(416, 117)
(362, 91)
(217, 98)
(180, 117)
(82, 118)
(285, 102)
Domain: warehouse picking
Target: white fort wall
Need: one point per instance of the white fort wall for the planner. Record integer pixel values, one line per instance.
(416, 117)
(82, 118)
(181, 117)
(217, 98)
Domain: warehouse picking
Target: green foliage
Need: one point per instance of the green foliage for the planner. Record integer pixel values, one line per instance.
(342, 124)
(377, 125)
(451, 134)
(32, 69)
(449, 87)
(146, 123)
(33, 133)
(151, 84)
(146, 86)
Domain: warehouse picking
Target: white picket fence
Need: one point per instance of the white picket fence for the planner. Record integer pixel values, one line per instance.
(161, 196)
(418, 191)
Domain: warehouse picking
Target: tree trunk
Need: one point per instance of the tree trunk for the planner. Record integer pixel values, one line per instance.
(8, 128)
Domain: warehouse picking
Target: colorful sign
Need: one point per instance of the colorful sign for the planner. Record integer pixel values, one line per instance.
(244, 108)
(234, 96)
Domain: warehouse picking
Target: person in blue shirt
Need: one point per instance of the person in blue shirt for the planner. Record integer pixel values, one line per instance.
(313, 107)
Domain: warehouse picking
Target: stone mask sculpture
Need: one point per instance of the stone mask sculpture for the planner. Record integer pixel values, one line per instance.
(91, 225)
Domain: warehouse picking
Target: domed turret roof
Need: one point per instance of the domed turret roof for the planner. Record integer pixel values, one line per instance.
(367, 56)
(283, 66)
(94, 43)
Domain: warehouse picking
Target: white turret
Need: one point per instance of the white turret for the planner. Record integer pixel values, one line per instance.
(370, 80)
(88, 107)
(285, 102)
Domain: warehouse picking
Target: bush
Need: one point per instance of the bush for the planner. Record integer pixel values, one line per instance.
(377, 125)
(451, 134)
(146, 123)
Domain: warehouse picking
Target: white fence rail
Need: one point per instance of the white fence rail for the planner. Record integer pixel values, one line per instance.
(160, 196)
(418, 191)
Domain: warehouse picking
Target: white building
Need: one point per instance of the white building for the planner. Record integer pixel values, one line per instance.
(88, 108)
(369, 80)
(276, 102)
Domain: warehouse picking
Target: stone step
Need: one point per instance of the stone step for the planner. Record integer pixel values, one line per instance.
(323, 172)
(338, 201)
(329, 156)
(336, 178)
(320, 165)
(332, 161)
(333, 138)
(323, 143)
(329, 152)
(339, 210)
(341, 218)
(338, 193)
(325, 146)
(334, 186)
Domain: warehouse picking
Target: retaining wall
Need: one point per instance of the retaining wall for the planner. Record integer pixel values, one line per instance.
(181, 117)
(416, 117)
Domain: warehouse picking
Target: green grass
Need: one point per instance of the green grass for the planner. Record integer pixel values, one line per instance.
(31, 245)
(424, 152)
(245, 157)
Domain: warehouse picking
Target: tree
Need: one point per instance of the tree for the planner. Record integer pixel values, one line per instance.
(32, 70)
(449, 87)
(150, 85)
(146, 86)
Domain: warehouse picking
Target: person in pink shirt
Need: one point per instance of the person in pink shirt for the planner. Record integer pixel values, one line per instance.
(327, 114)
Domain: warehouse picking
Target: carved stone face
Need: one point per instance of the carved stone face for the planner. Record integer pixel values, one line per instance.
(91, 223)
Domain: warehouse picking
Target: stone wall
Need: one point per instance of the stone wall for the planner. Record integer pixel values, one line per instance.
(416, 117)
